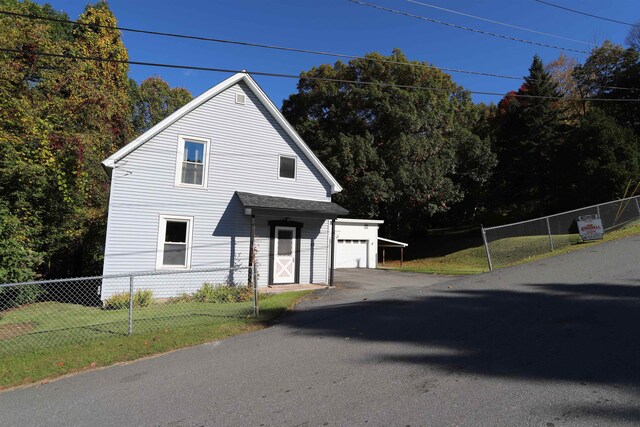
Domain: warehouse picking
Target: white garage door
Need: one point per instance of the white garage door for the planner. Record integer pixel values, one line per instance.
(351, 254)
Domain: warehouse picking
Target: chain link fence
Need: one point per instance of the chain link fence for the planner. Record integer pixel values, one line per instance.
(51, 313)
(506, 244)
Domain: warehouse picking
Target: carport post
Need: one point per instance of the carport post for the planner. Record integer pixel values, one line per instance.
(333, 250)
(486, 247)
(402, 257)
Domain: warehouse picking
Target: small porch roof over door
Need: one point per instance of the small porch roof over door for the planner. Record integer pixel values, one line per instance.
(258, 204)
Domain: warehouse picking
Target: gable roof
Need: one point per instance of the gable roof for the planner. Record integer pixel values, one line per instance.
(110, 161)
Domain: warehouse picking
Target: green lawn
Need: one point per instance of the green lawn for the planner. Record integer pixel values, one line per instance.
(504, 252)
(49, 339)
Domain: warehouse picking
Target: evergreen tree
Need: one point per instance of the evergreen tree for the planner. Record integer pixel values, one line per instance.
(528, 133)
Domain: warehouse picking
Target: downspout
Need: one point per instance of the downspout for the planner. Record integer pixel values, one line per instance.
(333, 251)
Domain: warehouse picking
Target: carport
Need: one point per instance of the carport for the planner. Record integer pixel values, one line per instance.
(388, 243)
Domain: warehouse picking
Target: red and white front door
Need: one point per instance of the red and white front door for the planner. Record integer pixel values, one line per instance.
(284, 257)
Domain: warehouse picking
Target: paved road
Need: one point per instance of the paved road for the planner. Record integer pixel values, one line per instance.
(550, 343)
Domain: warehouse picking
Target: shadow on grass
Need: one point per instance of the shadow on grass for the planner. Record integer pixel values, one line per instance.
(585, 333)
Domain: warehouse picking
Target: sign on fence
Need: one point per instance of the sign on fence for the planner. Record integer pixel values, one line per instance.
(590, 227)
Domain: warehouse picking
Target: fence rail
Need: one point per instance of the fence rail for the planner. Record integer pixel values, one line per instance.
(49, 313)
(506, 244)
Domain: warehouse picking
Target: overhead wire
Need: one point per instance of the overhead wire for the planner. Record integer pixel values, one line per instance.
(250, 44)
(587, 14)
(517, 27)
(297, 77)
(462, 27)
(273, 47)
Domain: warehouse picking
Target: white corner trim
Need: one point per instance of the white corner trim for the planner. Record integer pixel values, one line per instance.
(110, 161)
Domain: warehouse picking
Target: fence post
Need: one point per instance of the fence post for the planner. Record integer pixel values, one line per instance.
(130, 305)
(486, 247)
(638, 204)
(256, 309)
(550, 237)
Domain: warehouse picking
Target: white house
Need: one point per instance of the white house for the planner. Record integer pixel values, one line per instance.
(221, 178)
(357, 243)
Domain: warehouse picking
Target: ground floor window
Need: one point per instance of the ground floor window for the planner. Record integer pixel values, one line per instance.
(174, 242)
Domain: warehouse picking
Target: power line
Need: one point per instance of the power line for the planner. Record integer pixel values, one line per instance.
(274, 47)
(461, 27)
(258, 45)
(293, 76)
(587, 14)
(498, 22)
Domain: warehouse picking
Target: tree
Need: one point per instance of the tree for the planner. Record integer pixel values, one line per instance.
(633, 37)
(599, 159)
(613, 72)
(562, 71)
(528, 132)
(397, 151)
(154, 100)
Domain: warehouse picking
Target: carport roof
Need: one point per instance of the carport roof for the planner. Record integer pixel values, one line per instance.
(391, 243)
(290, 206)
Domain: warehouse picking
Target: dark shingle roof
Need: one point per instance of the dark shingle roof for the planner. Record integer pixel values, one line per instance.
(258, 201)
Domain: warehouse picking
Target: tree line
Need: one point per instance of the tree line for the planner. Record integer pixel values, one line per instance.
(427, 156)
(418, 153)
(59, 119)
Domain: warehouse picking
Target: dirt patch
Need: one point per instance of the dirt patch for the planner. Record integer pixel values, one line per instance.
(11, 330)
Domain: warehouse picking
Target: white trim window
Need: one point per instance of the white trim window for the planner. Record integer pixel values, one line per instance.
(174, 242)
(192, 165)
(287, 167)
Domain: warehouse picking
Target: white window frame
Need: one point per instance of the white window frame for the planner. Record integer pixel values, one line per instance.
(205, 170)
(295, 167)
(162, 230)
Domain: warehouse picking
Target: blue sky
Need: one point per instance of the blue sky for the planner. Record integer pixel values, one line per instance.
(344, 27)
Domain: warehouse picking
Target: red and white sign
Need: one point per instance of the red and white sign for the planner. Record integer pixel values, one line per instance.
(590, 227)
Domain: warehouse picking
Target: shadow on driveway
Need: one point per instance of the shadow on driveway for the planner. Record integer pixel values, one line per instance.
(556, 332)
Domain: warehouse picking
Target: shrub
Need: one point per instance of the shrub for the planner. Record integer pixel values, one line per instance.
(143, 298)
(223, 294)
(18, 295)
(120, 300)
(117, 301)
(185, 297)
(28, 294)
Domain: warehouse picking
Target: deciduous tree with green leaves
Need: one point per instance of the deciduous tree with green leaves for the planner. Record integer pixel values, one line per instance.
(402, 154)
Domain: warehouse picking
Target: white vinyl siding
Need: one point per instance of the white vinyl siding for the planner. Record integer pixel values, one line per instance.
(144, 186)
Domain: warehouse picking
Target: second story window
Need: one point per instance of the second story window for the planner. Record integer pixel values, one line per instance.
(193, 156)
(287, 167)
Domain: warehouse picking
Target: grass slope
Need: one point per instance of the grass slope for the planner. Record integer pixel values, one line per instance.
(62, 357)
(504, 252)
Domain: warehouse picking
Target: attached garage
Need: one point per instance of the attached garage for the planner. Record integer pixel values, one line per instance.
(357, 243)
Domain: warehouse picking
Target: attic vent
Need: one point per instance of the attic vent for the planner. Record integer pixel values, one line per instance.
(241, 98)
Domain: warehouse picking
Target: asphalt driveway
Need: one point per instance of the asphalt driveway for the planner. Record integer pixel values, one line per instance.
(549, 343)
